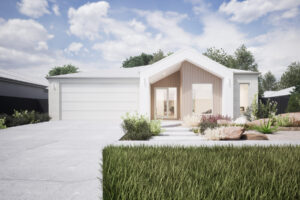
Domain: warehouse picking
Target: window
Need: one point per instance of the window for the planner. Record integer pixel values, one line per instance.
(202, 98)
(244, 102)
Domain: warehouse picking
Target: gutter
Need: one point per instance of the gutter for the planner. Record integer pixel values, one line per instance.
(23, 83)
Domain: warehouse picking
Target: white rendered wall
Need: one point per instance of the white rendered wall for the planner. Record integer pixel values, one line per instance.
(252, 80)
(54, 99)
(227, 96)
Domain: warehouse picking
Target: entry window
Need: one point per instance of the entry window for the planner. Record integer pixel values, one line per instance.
(244, 100)
(202, 99)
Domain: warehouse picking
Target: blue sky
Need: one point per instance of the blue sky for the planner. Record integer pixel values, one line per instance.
(36, 35)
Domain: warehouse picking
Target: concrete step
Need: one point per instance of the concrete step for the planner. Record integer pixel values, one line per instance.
(177, 138)
(170, 123)
(176, 129)
(177, 133)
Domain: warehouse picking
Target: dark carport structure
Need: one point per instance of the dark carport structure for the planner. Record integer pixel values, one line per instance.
(281, 97)
(21, 93)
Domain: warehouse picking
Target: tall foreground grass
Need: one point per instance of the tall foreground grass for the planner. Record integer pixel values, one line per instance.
(201, 173)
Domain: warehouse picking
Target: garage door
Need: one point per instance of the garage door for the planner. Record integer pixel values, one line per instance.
(98, 100)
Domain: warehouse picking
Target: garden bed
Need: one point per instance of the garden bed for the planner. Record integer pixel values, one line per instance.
(201, 173)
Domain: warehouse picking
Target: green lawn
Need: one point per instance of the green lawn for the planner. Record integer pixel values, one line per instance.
(201, 173)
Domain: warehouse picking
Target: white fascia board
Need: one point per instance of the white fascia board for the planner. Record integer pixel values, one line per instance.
(193, 57)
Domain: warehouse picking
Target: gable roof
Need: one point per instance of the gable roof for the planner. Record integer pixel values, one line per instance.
(166, 66)
(172, 63)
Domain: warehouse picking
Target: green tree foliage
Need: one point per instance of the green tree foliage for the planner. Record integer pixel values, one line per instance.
(220, 56)
(66, 69)
(269, 82)
(245, 59)
(294, 103)
(134, 61)
(291, 76)
(242, 58)
(144, 59)
(157, 56)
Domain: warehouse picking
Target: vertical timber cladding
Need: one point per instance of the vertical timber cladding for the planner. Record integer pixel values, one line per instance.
(191, 74)
(172, 80)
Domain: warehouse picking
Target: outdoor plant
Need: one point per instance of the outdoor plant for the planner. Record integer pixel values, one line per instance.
(196, 130)
(211, 121)
(155, 127)
(283, 121)
(266, 127)
(294, 103)
(2, 123)
(24, 117)
(139, 127)
(260, 110)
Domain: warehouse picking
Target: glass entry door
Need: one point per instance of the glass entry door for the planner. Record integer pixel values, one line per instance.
(165, 105)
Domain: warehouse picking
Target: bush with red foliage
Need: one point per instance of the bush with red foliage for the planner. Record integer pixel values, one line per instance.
(210, 121)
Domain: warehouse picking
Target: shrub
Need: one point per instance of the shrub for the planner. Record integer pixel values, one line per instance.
(2, 123)
(155, 127)
(196, 130)
(283, 121)
(24, 117)
(266, 128)
(294, 103)
(136, 127)
(267, 110)
(260, 110)
(211, 121)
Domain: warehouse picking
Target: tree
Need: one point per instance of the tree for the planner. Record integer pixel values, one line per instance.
(144, 59)
(220, 56)
(157, 56)
(242, 58)
(135, 61)
(291, 76)
(269, 82)
(66, 69)
(245, 59)
(294, 103)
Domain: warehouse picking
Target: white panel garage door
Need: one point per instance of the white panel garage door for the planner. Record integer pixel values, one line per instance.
(98, 100)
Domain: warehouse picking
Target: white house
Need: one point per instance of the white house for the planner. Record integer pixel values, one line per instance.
(184, 83)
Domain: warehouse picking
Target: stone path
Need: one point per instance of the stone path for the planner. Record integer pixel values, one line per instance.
(177, 133)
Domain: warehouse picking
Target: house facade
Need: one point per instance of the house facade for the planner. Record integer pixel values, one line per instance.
(182, 84)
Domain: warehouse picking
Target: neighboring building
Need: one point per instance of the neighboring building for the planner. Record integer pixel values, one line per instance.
(281, 97)
(20, 93)
(184, 83)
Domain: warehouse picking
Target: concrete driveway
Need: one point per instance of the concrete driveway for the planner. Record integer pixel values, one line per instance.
(54, 160)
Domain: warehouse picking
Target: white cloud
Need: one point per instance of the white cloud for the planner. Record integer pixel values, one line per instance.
(85, 21)
(55, 9)
(33, 8)
(250, 10)
(23, 43)
(74, 47)
(138, 26)
(219, 33)
(23, 35)
(290, 13)
(275, 50)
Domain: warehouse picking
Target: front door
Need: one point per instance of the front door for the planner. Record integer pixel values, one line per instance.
(165, 104)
